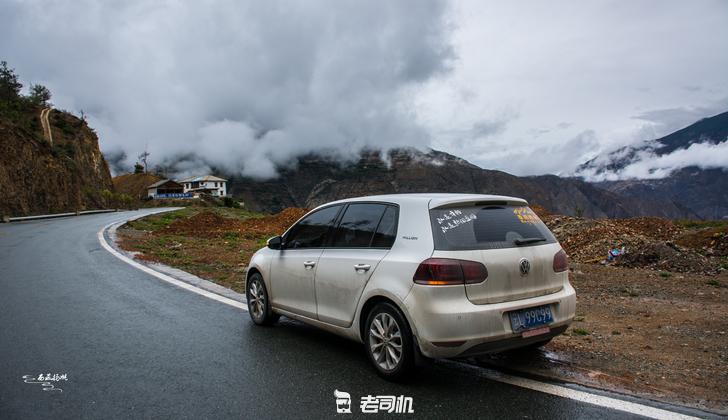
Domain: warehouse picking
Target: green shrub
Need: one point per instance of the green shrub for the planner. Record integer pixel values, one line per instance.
(579, 332)
(229, 202)
(714, 283)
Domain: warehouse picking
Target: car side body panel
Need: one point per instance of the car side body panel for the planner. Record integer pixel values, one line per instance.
(341, 276)
(444, 320)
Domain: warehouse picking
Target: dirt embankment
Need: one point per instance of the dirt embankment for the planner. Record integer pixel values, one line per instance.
(134, 185)
(39, 177)
(649, 242)
(212, 225)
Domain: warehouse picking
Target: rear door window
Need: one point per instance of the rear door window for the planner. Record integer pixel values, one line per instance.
(487, 227)
(387, 229)
(358, 225)
(312, 231)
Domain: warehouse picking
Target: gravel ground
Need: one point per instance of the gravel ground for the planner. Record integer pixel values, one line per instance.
(654, 334)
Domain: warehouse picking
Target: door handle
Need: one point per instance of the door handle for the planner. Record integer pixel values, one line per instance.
(362, 267)
(309, 264)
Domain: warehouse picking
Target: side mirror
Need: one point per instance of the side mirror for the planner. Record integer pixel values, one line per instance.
(275, 242)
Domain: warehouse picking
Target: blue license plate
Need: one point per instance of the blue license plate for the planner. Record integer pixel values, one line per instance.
(529, 318)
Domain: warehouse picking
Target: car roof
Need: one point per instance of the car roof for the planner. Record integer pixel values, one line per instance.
(435, 200)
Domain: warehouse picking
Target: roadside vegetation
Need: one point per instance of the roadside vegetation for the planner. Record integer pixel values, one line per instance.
(215, 243)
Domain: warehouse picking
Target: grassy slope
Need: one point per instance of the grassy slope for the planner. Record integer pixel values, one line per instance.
(222, 260)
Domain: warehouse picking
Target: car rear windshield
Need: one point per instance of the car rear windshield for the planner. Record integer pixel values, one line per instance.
(487, 227)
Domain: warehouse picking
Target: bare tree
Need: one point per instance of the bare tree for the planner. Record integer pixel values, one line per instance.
(143, 158)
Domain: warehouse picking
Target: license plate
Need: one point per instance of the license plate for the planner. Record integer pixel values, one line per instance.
(529, 318)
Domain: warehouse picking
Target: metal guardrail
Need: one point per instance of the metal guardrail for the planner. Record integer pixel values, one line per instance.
(53, 216)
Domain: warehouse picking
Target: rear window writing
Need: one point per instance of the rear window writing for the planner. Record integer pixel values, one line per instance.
(487, 227)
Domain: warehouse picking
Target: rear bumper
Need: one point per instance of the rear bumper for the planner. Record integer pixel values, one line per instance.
(447, 324)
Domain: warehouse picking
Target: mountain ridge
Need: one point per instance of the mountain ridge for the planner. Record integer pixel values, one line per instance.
(703, 192)
(313, 180)
(710, 130)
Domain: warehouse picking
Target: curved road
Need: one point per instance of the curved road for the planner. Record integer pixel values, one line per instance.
(134, 346)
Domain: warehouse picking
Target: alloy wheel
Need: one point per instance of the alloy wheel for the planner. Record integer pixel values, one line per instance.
(256, 300)
(385, 341)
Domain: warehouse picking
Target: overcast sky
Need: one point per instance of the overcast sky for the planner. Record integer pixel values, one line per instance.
(525, 87)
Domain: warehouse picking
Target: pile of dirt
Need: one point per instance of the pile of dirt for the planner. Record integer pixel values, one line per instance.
(653, 227)
(204, 224)
(649, 242)
(589, 240)
(710, 241)
(666, 256)
(209, 224)
(541, 211)
(270, 225)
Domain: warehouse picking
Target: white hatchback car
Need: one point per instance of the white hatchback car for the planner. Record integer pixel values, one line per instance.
(439, 275)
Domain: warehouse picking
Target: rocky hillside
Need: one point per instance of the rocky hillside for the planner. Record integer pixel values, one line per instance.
(704, 192)
(134, 185)
(38, 177)
(316, 180)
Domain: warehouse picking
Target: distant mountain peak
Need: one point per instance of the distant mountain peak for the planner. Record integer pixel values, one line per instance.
(611, 166)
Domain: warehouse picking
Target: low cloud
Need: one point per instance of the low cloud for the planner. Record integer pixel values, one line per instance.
(557, 159)
(701, 155)
(233, 86)
(645, 164)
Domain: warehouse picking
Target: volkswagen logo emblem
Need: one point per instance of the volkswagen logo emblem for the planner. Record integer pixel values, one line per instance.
(524, 266)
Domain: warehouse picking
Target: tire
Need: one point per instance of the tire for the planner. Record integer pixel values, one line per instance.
(388, 342)
(258, 302)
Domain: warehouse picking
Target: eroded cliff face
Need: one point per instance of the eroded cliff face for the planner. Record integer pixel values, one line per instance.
(37, 177)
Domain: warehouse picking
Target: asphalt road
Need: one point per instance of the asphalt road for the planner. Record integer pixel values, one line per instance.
(136, 347)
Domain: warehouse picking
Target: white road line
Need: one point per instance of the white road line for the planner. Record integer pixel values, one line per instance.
(164, 277)
(546, 388)
(573, 394)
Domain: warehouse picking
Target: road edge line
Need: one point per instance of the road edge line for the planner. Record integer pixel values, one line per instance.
(8, 219)
(575, 394)
(161, 276)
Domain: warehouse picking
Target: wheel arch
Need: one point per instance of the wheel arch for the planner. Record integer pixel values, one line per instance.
(252, 270)
(370, 303)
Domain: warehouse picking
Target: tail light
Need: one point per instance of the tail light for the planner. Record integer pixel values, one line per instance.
(447, 271)
(561, 262)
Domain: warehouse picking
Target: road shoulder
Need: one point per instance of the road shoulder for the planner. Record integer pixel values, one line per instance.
(107, 238)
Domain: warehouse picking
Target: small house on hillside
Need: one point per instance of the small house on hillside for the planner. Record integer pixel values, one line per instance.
(165, 188)
(208, 184)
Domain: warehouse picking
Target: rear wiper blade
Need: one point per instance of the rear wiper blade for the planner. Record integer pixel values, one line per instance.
(525, 241)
